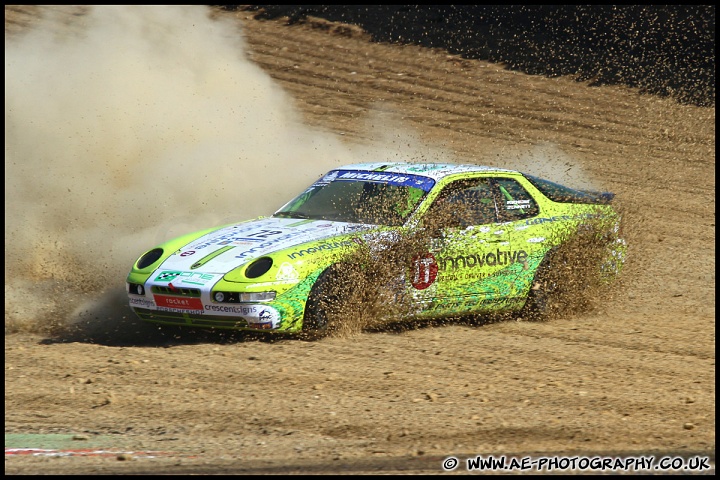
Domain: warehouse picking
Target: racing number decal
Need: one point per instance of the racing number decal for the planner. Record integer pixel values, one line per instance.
(264, 233)
(425, 270)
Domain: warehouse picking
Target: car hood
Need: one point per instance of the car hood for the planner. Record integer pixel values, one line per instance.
(229, 247)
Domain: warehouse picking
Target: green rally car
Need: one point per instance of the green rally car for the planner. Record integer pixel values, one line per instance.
(487, 237)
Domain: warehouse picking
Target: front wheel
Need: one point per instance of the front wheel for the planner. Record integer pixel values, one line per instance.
(329, 299)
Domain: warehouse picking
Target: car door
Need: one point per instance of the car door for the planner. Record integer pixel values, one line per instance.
(469, 249)
(518, 214)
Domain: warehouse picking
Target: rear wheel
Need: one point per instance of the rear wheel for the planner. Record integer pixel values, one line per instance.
(542, 291)
(570, 279)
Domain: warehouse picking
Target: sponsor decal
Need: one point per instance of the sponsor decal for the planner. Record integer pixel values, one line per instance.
(465, 275)
(246, 233)
(142, 302)
(329, 177)
(267, 316)
(260, 235)
(353, 228)
(167, 276)
(180, 310)
(287, 272)
(257, 316)
(374, 177)
(271, 242)
(179, 303)
(188, 253)
(541, 220)
(238, 309)
(560, 218)
(498, 257)
(322, 248)
(410, 180)
(190, 278)
(425, 270)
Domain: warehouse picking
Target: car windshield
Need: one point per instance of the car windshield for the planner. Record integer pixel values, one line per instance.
(356, 196)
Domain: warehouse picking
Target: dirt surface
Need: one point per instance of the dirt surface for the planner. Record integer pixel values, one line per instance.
(633, 376)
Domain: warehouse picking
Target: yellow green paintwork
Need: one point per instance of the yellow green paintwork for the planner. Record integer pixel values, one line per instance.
(473, 286)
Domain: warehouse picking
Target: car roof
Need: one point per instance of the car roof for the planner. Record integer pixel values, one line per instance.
(432, 170)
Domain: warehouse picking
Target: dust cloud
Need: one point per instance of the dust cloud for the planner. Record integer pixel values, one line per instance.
(138, 124)
(145, 123)
(135, 124)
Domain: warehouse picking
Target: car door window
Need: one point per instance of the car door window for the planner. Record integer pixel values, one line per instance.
(515, 203)
(464, 203)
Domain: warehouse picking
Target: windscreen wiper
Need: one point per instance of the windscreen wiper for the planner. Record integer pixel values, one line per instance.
(291, 214)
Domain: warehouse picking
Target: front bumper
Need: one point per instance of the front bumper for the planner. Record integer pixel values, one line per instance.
(195, 307)
(187, 319)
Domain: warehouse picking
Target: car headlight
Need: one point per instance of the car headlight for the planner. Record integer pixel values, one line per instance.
(257, 297)
(234, 297)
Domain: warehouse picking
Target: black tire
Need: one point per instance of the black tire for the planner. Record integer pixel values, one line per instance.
(542, 293)
(317, 314)
(325, 302)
